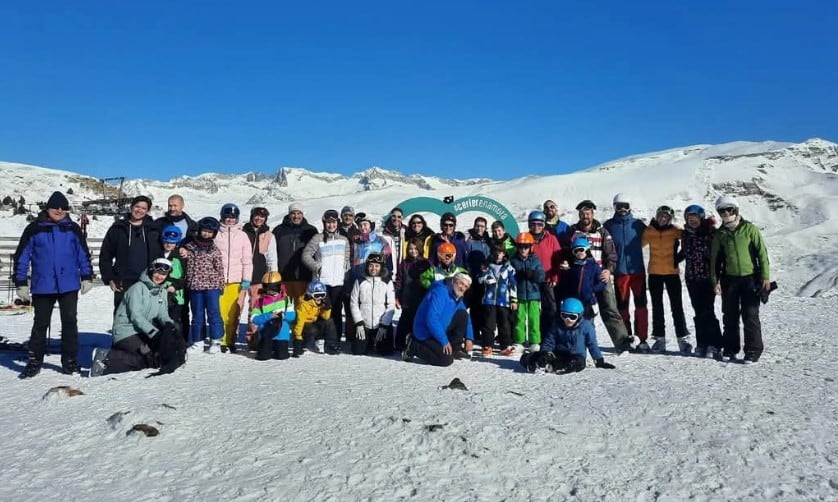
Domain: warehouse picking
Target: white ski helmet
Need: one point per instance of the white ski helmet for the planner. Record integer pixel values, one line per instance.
(726, 201)
(621, 198)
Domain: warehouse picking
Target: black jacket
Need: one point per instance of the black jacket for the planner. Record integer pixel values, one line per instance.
(119, 260)
(191, 225)
(290, 241)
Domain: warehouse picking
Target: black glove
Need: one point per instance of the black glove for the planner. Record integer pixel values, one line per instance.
(327, 305)
(600, 363)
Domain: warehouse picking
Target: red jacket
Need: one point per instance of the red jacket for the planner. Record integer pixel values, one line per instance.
(549, 253)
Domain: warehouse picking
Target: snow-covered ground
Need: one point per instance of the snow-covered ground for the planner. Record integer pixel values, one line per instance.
(659, 427)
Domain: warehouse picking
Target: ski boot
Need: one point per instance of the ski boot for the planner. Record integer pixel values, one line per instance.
(70, 367)
(33, 366)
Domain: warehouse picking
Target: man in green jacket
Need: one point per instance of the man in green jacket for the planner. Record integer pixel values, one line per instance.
(739, 271)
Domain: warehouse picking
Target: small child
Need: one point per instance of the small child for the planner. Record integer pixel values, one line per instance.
(273, 319)
(205, 281)
(529, 275)
(176, 282)
(565, 343)
(581, 279)
(313, 321)
(500, 298)
(373, 303)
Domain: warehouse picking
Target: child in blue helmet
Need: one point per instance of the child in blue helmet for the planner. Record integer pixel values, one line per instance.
(582, 279)
(564, 344)
(176, 282)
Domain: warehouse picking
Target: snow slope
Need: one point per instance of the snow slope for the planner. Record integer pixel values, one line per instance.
(343, 427)
(662, 427)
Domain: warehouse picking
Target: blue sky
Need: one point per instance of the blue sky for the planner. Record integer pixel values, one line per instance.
(458, 88)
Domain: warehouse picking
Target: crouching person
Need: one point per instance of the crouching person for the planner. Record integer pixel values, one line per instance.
(272, 319)
(563, 347)
(442, 329)
(144, 336)
(373, 303)
(313, 321)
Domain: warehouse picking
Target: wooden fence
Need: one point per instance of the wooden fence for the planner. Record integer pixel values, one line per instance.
(8, 246)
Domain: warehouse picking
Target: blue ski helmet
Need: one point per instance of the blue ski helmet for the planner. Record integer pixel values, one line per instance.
(230, 210)
(537, 216)
(694, 209)
(171, 235)
(581, 242)
(315, 287)
(572, 306)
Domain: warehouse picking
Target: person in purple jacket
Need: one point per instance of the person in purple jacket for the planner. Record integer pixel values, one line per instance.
(56, 251)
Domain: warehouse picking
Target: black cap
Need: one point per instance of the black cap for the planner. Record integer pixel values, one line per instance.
(58, 201)
(331, 214)
(586, 204)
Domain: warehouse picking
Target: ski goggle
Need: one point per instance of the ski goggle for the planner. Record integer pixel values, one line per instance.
(579, 250)
(726, 210)
(319, 295)
(162, 268)
(569, 316)
(621, 205)
(665, 210)
(171, 236)
(375, 258)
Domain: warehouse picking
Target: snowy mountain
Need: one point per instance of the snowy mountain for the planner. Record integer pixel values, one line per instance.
(321, 427)
(789, 190)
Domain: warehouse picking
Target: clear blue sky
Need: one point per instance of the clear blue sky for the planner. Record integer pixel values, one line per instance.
(453, 88)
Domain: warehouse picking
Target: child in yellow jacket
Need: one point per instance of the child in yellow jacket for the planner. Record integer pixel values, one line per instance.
(664, 239)
(313, 321)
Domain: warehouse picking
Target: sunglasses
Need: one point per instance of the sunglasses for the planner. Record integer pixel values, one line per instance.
(318, 296)
(569, 316)
(621, 205)
(396, 216)
(579, 250)
(161, 268)
(726, 210)
(448, 225)
(551, 206)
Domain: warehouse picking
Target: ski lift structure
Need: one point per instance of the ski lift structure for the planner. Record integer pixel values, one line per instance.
(114, 202)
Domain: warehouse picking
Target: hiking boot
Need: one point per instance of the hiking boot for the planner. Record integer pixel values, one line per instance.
(624, 346)
(659, 347)
(642, 348)
(701, 351)
(33, 367)
(461, 354)
(99, 364)
(684, 346)
(487, 352)
(223, 348)
(714, 353)
(298, 348)
(71, 367)
(730, 357)
(751, 357)
(509, 351)
(534, 347)
(232, 348)
(216, 347)
(407, 353)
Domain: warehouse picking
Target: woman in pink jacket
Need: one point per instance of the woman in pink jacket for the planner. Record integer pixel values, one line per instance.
(238, 269)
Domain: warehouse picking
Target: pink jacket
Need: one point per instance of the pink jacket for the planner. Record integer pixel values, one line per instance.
(236, 252)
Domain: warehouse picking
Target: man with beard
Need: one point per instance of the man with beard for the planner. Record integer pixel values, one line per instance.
(554, 225)
(602, 250)
(129, 247)
(291, 236)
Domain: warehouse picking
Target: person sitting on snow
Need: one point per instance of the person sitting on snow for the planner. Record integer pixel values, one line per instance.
(563, 348)
(272, 318)
(314, 314)
(144, 336)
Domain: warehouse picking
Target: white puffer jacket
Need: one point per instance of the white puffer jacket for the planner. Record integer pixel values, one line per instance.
(373, 300)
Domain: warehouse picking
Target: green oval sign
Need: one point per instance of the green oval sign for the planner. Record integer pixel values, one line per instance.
(471, 203)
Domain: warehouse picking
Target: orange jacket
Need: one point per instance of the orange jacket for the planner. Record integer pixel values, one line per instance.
(663, 245)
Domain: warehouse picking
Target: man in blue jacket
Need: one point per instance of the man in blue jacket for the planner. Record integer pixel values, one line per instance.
(630, 272)
(442, 329)
(55, 249)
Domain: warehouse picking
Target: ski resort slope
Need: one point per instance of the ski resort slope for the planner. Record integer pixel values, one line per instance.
(658, 427)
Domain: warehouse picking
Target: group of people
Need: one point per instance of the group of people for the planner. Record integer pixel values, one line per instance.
(181, 285)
